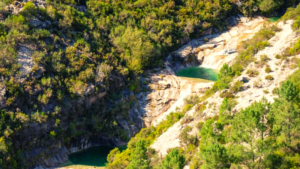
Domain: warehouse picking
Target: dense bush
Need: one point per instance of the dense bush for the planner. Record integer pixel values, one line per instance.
(174, 159)
(269, 77)
(268, 69)
(252, 72)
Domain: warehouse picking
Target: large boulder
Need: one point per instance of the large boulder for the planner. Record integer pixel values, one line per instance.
(35, 22)
(232, 21)
(25, 60)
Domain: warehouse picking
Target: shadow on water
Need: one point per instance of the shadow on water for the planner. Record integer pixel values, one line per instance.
(198, 72)
(94, 156)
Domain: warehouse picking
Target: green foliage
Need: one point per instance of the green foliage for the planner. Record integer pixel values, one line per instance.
(40, 33)
(135, 46)
(226, 107)
(111, 156)
(292, 13)
(138, 158)
(192, 99)
(29, 9)
(269, 77)
(146, 135)
(269, 5)
(215, 155)
(289, 91)
(103, 50)
(237, 86)
(268, 69)
(17, 22)
(186, 138)
(264, 58)
(295, 50)
(252, 73)
(8, 57)
(174, 160)
(261, 136)
(52, 134)
(224, 77)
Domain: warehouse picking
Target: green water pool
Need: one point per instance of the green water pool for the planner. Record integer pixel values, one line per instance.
(94, 156)
(198, 72)
(274, 19)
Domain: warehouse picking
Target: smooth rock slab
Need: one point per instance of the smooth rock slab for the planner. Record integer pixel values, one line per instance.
(25, 59)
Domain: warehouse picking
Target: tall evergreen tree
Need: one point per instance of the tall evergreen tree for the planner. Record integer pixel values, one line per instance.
(139, 158)
(174, 160)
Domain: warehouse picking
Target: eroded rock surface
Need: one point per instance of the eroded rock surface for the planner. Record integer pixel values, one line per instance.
(169, 91)
(25, 59)
(254, 88)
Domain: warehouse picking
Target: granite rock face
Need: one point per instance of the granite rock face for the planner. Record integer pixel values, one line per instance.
(25, 59)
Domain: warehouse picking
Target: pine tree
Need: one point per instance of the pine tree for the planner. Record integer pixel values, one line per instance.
(248, 126)
(139, 158)
(174, 160)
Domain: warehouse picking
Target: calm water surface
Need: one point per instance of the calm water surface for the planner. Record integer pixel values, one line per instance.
(94, 156)
(198, 72)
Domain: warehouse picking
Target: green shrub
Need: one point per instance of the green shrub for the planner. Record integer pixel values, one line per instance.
(268, 69)
(269, 77)
(174, 159)
(121, 160)
(276, 90)
(252, 73)
(40, 33)
(186, 120)
(292, 13)
(295, 50)
(237, 86)
(278, 56)
(187, 107)
(192, 99)
(264, 59)
(200, 125)
(227, 94)
(199, 108)
(52, 134)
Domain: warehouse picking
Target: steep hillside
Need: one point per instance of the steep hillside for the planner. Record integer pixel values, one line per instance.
(249, 118)
(251, 91)
(80, 73)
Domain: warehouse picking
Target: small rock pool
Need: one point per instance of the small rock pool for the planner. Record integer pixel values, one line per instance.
(274, 19)
(198, 72)
(94, 156)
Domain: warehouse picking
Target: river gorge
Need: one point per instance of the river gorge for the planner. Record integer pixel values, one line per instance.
(192, 69)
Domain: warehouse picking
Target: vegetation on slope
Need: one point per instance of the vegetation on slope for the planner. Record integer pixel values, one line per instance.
(138, 145)
(83, 54)
(263, 135)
